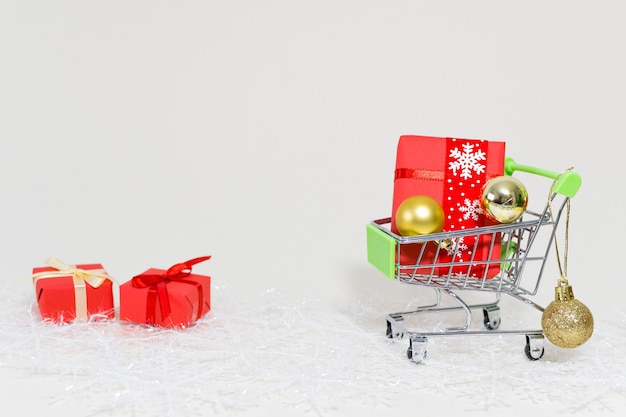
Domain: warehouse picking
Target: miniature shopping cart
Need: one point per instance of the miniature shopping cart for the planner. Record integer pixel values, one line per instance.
(524, 246)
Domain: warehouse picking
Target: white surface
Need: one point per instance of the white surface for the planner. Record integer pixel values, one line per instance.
(140, 134)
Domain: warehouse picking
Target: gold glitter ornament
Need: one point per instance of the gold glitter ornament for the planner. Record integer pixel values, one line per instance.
(566, 322)
(419, 215)
(504, 198)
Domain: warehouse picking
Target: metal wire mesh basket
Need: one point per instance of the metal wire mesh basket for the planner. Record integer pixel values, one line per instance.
(515, 270)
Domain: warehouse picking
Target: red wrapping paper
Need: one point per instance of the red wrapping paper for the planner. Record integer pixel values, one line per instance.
(173, 298)
(56, 295)
(452, 171)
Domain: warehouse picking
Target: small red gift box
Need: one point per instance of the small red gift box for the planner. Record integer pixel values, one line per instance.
(66, 293)
(173, 298)
(452, 171)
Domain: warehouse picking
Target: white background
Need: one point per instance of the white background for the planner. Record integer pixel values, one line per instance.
(140, 134)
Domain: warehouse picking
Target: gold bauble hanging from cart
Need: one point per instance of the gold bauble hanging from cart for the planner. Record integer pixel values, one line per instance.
(419, 215)
(566, 322)
(504, 198)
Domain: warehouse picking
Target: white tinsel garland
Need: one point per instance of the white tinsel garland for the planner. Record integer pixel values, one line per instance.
(302, 356)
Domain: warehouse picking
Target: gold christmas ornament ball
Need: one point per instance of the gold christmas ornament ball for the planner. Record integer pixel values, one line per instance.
(504, 198)
(419, 215)
(567, 322)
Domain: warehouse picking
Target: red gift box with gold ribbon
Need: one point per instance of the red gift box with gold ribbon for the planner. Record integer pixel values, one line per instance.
(452, 171)
(173, 298)
(67, 293)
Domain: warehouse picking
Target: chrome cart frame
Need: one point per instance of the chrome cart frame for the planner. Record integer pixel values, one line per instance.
(523, 243)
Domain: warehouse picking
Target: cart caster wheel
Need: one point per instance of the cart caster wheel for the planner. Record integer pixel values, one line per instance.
(391, 334)
(416, 352)
(534, 347)
(491, 316)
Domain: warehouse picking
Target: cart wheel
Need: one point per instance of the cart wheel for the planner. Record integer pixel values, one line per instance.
(534, 347)
(390, 332)
(491, 316)
(417, 349)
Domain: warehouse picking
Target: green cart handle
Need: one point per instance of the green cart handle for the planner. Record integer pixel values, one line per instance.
(567, 183)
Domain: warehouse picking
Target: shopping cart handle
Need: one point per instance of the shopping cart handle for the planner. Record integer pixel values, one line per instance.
(567, 183)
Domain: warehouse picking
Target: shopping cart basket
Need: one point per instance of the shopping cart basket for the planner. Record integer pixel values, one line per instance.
(523, 243)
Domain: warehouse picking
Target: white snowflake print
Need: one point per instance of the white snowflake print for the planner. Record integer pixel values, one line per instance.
(467, 161)
(462, 275)
(461, 247)
(471, 209)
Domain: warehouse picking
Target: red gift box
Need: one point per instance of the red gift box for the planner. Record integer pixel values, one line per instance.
(452, 171)
(173, 298)
(66, 293)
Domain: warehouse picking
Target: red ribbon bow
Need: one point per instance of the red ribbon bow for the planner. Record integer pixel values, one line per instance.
(157, 285)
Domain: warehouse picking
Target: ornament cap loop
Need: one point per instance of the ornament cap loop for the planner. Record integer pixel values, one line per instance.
(446, 244)
(563, 291)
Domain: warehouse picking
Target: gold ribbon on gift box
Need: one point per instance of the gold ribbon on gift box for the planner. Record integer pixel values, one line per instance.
(81, 277)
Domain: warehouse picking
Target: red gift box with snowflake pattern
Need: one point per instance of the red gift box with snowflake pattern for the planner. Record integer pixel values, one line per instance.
(452, 171)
